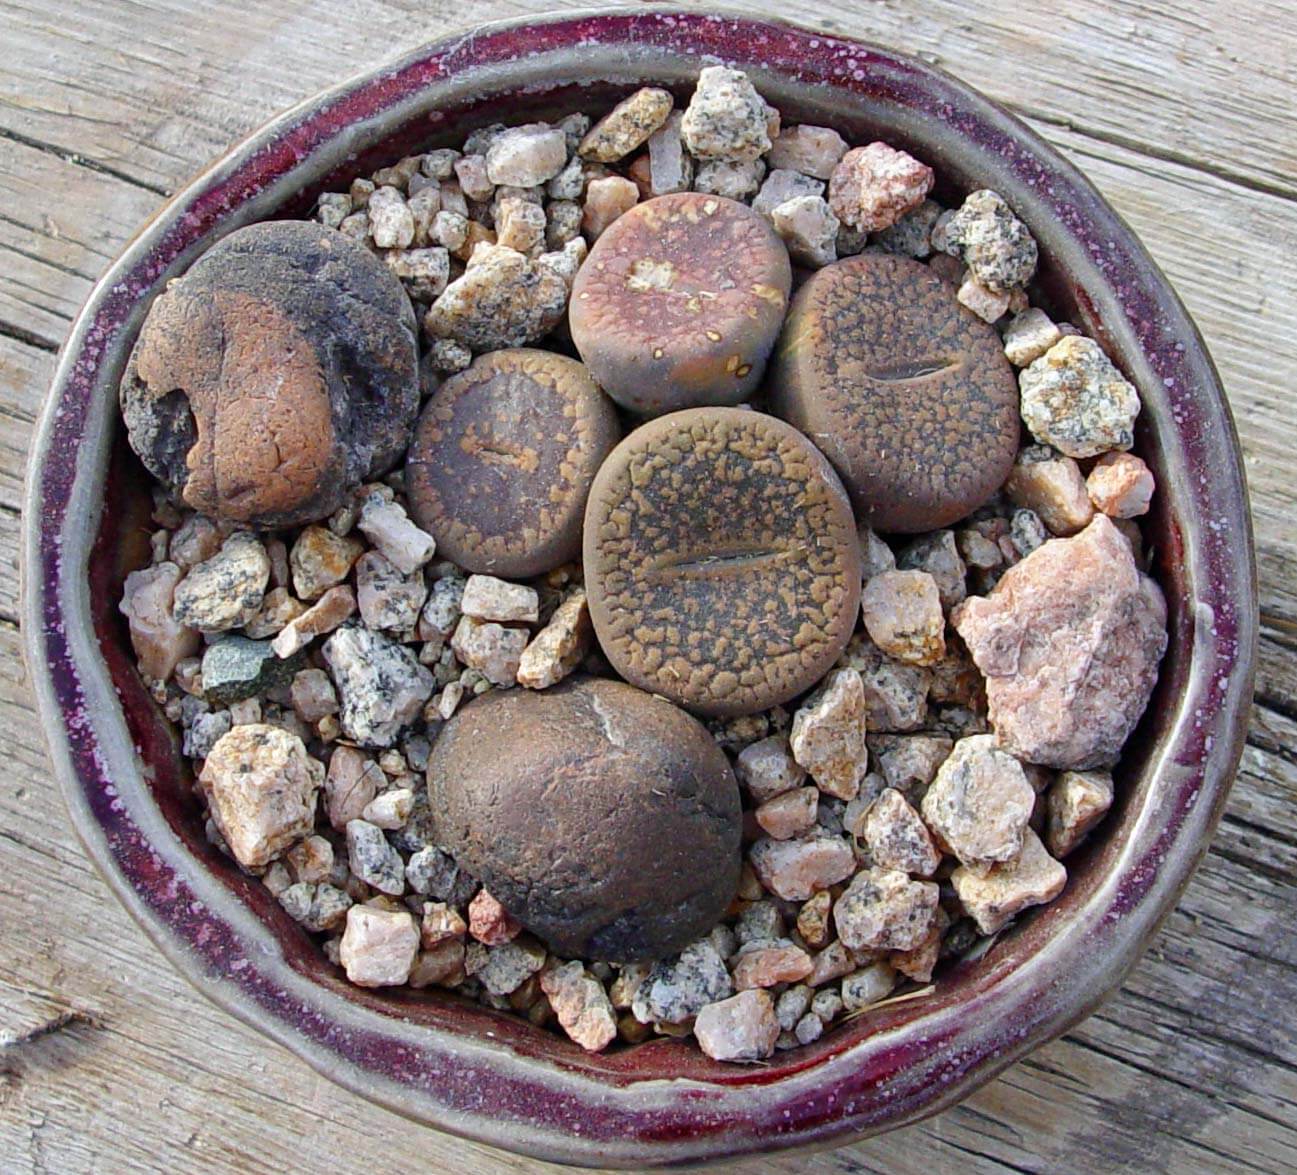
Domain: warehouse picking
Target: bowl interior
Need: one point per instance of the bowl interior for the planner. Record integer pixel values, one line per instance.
(122, 544)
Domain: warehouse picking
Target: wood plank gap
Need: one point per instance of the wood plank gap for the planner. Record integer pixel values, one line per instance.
(20, 334)
(81, 161)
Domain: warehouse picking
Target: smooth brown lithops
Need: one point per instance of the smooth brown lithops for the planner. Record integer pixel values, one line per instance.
(502, 461)
(908, 394)
(680, 302)
(604, 819)
(275, 376)
(721, 560)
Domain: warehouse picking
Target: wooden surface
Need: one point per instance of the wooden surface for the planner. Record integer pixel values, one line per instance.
(1181, 113)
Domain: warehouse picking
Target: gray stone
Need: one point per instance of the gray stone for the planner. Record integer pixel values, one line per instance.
(383, 687)
(236, 667)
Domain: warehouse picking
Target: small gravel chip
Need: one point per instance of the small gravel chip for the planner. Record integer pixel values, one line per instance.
(1027, 532)
(311, 859)
(872, 187)
(726, 117)
(605, 200)
(487, 598)
(197, 540)
(1028, 336)
(908, 763)
(1052, 486)
(670, 167)
(1076, 802)
(391, 223)
(379, 946)
(911, 236)
(433, 872)
(504, 968)
(808, 1029)
(875, 555)
(225, 591)
(423, 272)
(789, 814)
(329, 611)
(735, 181)
(332, 208)
(382, 686)
(1120, 485)
(627, 126)
(782, 185)
(489, 922)
(764, 964)
(883, 909)
(581, 1004)
(373, 859)
(313, 695)
(442, 964)
(204, 732)
(388, 527)
(795, 869)
(995, 245)
(813, 919)
(261, 785)
(979, 803)
(902, 614)
(390, 809)
(351, 783)
(938, 555)
(473, 179)
(559, 647)
(867, 986)
(760, 920)
(320, 559)
(828, 734)
(676, 989)
(792, 1005)
(235, 667)
(896, 695)
(897, 837)
(812, 150)
(1030, 879)
(525, 156)
(741, 1028)
(440, 923)
(806, 224)
(833, 962)
(767, 768)
(989, 305)
(492, 649)
(503, 299)
(1075, 399)
(389, 601)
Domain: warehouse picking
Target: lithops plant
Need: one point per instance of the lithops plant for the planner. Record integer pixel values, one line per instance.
(546, 798)
(275, 376)
(721, 560)
(908, 393)
(502, 461)
(679, 303)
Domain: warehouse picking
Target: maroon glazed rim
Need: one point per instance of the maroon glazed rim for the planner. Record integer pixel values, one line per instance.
(492, 1078)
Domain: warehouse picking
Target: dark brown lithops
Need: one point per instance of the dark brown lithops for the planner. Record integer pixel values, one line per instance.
(680, 302)
(275, 376)
(502, 461)
(721, 560)
(605, 820)
(908, 393)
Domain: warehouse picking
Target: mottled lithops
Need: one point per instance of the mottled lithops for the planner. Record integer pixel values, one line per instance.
(680, 302)
(605, 820)
(502, 461)
(721, 560)
(275, 376)
(908, 394)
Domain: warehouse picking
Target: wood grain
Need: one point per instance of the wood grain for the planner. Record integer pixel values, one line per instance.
(1179, 113)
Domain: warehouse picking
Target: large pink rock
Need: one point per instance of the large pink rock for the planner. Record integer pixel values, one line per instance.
(1069, 641)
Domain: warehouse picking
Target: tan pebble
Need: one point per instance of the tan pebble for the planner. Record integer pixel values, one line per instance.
(560, 646)
(489, 922)
(1075, 803)
(794, 869)
(352, 781)
(765, 966)
(813, 919)
(1028, 336)
(1052, 486)
(828, 734)
(491, 648)
(159, 640)
(581, 1004)
(627, 126)
(441, 964)
(1030, 879)
(1121, 485)
(812, 150)
(883, 909)
(488, 598)
(741, 1028)
(789, 814)
(441, 923)
(605, 200)
(902, 614)
(329, 611)
(378, 948)
(897, 837)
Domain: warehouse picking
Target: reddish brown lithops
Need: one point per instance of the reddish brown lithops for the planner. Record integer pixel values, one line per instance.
(680, 302)
(274, 377)
(550, 798)
(502, 461)
(721, 560)
(908, 394)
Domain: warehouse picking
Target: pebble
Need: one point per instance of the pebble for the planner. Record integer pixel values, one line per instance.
(329, 611)
(204, 732)
(908, 763)
(806, 224)
(581, 1004)
(379, 946)
(352, 781)
(670, 167)
(767, 768)
(995, 245)
(1032, 878)
(606, 199)
(391, 809)
(1075, 399)
(897, 837)
(313, 696)
(525, 156)
(808, 1029)
(911, 236)
(560, 646)
(1028, 336)
(433, 871)
(1026, 532)
(789, 814)
(160, 641)
(1120, 485)
(235, 668)
(938, 554)
(896, 695)
(872, 187)
(676, 989)
(197, 540)
(875, 555)
(311, 859)
(741, 1028)
(883, 909)
(781, 186)
(828, 734)
(504, 968)
(1075, 803)
(373, 859)
(812, 150)
(489, 922)
(473, 179)
(493, 649)
(980, 803)
(386, 525)
(487, 598)
(503, 299)
(391, 223)
(902, 614)
(320, 559)
(813, 919)
(382, 687)
(726, 117)
(833, 962)
(333, 208)
(735, 181)
(423, 272)
(225, 591)
(765, 964)
(867, 986)
(1052, 486)
(441, 923)
(260, 785)
(520, 225)
(442, 964)
(1079, 602)
(989, 305)
(795, 869)
(627, 126)
(388, 600)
